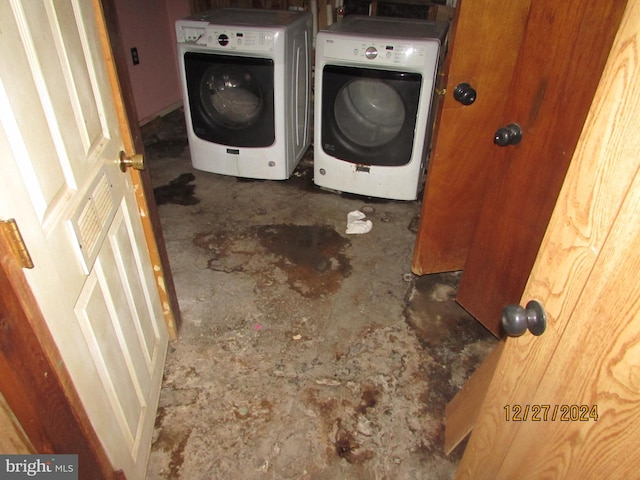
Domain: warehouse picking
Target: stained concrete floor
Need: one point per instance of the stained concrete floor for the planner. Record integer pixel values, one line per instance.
(305, 353)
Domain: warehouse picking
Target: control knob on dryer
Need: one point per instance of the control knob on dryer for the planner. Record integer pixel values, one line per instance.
(371, 53)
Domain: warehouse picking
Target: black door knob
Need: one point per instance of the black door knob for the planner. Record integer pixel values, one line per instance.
(465, 94)
(509, 135)
(516, 320)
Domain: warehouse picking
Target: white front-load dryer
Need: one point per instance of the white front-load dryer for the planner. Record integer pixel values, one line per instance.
(374, 89)
(246, 83)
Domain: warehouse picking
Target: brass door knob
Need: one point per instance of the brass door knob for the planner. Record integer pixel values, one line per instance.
(136, 161)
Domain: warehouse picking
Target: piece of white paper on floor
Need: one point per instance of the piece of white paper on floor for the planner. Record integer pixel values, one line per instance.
(356, 223)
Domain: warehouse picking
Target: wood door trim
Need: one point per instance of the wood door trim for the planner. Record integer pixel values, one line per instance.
(34, 380)
(132, 138)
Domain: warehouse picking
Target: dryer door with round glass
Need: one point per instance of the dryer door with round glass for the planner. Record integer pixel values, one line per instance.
(231, 99)
(368, 115)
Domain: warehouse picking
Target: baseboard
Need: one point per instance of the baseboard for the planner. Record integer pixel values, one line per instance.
(161, 113)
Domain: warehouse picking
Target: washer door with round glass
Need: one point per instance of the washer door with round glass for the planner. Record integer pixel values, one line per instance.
(231, 99)
(369, 116)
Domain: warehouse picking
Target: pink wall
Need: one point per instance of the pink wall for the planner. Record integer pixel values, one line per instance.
(148, 25)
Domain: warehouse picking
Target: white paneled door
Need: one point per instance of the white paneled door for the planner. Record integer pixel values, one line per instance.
(93, 279)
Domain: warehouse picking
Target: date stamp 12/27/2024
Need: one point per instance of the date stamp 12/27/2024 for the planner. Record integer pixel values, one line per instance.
(551, 413)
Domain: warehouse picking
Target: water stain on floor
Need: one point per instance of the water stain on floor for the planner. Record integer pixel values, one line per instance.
(179, 191)
(448, 332)
(311, 255)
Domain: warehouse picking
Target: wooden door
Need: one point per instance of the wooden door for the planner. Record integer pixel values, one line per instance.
(93, 277)
(482, 52)
(586, 276)
(560, 59)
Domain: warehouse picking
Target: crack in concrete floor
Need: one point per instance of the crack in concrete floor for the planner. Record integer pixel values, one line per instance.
(305, 353)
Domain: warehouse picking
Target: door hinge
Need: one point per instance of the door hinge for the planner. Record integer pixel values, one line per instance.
(12, 232)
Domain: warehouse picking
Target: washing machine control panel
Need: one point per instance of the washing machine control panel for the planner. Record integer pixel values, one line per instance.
(225, 38)
(371, 53)
(239, 40)
(379, 52)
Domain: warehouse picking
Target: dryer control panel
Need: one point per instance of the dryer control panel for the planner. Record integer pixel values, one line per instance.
(379, 52)
(215, 37)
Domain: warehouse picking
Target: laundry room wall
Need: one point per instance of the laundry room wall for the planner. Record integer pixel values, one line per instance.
(148, 26)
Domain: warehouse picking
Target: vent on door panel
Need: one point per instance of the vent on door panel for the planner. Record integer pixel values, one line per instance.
(91, 219)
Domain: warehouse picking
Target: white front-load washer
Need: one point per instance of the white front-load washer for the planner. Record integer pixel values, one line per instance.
(246, 83)
(374, 89)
